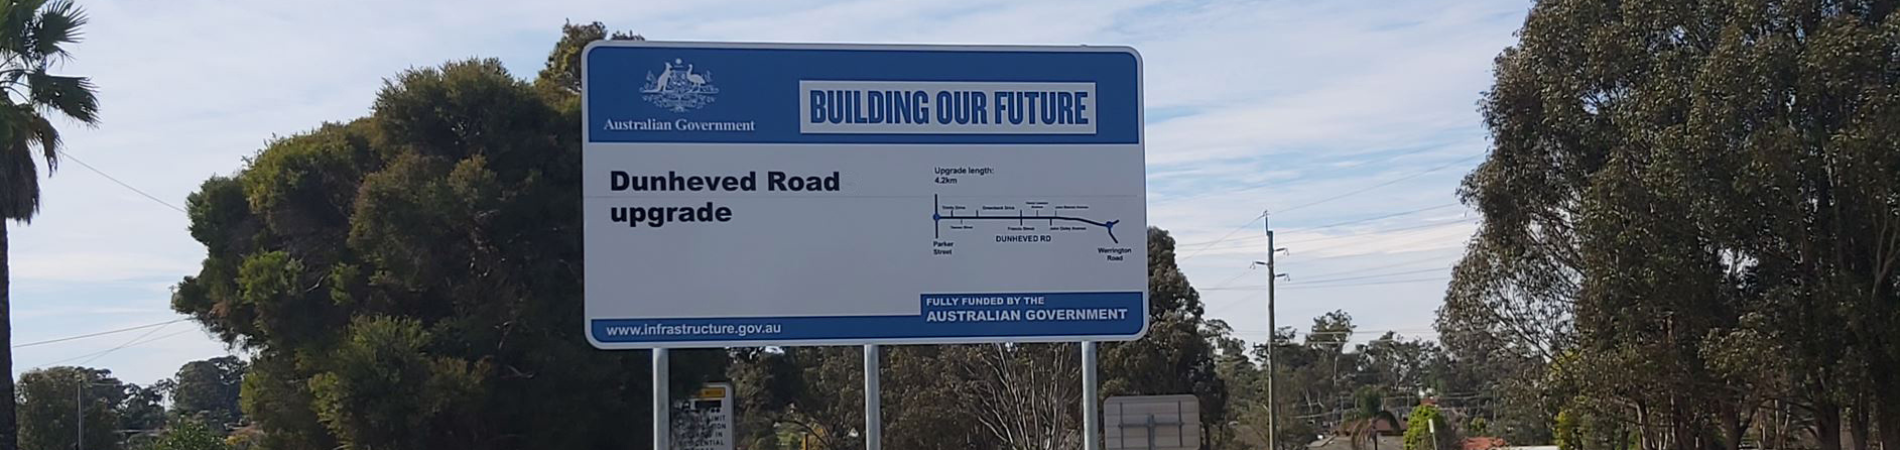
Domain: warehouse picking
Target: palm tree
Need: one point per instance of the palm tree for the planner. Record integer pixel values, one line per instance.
(33, 39)
(1364, 424)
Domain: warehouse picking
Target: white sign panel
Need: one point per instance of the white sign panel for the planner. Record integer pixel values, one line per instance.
(1151, 422)
(764, 194)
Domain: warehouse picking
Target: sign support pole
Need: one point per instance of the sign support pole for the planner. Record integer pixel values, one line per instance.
(873, 401)
(1091, 403)
(662, 409)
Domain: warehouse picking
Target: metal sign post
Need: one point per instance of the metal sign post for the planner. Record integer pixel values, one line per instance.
(873, 409)
(1091, 400)
(662, 410)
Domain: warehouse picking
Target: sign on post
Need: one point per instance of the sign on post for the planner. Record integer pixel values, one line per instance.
(704, 421)
(779, 194)
(1152, 422)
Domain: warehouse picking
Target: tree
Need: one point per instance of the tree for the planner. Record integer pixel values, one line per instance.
(1579, 427)
(1427, 429)
(1177, 355)
(279, 405)
(429, 248)
(1246, 391)
(563, 69)
(922, 389)
(209, 390)
(761, 380)
(190, 435)
(47, 409)
(1325, 370)
(142, 408)
(817, 391)
(386, 356)
(34, 36)
(1403, 364)
(1369, 417)
(1677, 189)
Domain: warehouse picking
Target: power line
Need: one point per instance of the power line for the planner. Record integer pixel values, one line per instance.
(1330, 281)
(1281, 182)
(1224, 284)
(1223, 237)
(1393, 331)
(63, 154)
(1335, 286)
(1383, 184)
(127, 343)
(154, 326)
(1340, 224)
(1229, 234)
(1231, 280)
(1387, 244)
(1362, 277)
(1369, 219)
(1415, 227)
(1230, 304)
(1368, 269)
(1335, 333)
(1328, 284)
(102, 333)
(1402, 232)
(95, 355)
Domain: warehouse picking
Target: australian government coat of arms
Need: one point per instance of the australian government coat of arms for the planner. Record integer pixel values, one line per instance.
(679, 87)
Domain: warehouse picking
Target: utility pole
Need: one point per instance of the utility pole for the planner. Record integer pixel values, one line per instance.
(1273, 328)
(79, 408)
(79, 418)
(1273, 411)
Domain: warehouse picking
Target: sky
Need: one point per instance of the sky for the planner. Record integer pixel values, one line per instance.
(1352, 122)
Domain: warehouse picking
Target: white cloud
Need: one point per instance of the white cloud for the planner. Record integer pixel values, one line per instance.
(96, 266)
(24, 312)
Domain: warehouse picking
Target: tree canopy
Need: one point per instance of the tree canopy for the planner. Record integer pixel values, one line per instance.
(208, 390)
(410, 279)
(50, 419)
(1693, 203)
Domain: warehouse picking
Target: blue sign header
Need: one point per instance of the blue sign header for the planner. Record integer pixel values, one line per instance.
(673, 92)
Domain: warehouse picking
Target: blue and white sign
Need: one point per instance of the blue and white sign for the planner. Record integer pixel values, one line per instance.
(791, 194)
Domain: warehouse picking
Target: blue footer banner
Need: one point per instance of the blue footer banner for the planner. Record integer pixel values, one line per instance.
(943, 316)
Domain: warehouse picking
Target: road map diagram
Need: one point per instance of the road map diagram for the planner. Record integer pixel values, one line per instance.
(1026, 216)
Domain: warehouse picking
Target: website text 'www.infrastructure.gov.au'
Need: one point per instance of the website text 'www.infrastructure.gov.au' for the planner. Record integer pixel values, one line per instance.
(654, 329)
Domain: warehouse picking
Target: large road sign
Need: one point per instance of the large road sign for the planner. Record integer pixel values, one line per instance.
(777, 194)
